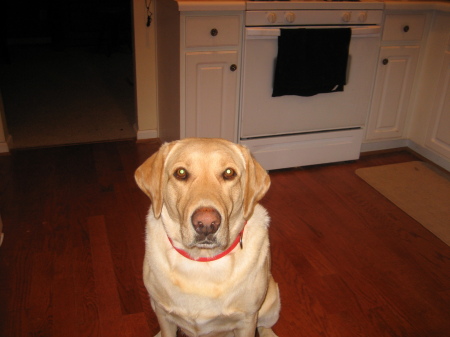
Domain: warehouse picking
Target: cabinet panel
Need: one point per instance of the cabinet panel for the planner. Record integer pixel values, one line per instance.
(438, 136)
(211, 94)
(404, 27)
(207, 31)
(393, 85)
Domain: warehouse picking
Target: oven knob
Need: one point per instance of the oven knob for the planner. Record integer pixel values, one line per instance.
(290, 17)
(271, 17)
(362, 16)
(346, 16)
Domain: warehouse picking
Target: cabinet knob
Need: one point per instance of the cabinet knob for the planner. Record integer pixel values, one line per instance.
(385, 61)
(406, 29)
(214, 32)
(233, 67)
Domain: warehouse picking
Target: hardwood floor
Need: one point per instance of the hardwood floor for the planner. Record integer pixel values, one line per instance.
(348, 261)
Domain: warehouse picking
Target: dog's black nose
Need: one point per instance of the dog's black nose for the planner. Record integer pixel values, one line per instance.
(206, 220)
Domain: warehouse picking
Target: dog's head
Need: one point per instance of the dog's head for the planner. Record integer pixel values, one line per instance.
(204, 189)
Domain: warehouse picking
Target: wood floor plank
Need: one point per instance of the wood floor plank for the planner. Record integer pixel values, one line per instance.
(107, 301)
(135, 325)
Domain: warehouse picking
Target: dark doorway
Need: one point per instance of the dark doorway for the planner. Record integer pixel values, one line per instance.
(67, 72)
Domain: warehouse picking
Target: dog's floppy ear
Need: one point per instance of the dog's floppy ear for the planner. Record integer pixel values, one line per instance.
(149, 177)
(256, 184)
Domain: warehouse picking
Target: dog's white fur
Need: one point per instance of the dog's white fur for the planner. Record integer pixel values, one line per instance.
(226, 297)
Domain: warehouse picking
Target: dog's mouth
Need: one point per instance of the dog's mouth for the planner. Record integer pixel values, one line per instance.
(205, 242)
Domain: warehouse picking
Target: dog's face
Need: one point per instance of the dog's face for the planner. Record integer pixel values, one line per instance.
(204, 189)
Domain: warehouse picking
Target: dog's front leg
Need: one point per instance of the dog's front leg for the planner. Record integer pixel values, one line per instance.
(168, 329)
(249, 329)
(266, 332)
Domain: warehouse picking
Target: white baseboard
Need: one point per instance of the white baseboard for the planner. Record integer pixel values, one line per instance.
(147, 134)
(6, 146)
(399, 143)
(384, 145)
(430, 155)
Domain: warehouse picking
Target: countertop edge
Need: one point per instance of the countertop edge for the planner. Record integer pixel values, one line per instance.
(187, 6)
(417, 5)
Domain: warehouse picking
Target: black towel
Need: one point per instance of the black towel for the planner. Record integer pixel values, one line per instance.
(311, 61)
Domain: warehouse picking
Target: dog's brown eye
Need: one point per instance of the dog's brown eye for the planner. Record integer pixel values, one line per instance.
(229, 174)
(181, 173)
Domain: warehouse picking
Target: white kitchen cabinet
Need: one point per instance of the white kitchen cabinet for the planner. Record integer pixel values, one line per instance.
(211, 84)
(404, 27)
(210, 68)
(199, 48)
(429, 126)
(210, 74)
(438, 133)
(211, 30)
(398, 59)
(390, 101)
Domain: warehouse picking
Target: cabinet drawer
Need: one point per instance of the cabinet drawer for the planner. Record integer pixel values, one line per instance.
(404, 27)
(212, 31)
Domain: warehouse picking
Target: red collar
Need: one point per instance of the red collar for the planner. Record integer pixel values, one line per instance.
(237, 241)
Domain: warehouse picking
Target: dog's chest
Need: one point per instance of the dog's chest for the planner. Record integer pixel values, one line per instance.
(204, 323)
(209, 298)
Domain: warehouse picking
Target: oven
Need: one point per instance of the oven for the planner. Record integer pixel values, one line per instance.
(296, 129)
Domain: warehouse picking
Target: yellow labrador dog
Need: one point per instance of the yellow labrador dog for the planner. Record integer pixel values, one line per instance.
(207, 260)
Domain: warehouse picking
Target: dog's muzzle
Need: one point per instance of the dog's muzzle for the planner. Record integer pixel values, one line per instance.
(206, 222)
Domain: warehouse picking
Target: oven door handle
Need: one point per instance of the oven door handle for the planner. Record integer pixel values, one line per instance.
(254, 33)
(261, 33)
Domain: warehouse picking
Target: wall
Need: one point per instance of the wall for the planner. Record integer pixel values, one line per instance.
(145, 71)
(168, 66)
(4, 135)
(1, 230)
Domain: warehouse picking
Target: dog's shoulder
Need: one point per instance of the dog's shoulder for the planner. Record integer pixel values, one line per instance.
(260, 216)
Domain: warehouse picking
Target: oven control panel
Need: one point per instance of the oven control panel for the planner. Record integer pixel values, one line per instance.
(313, 17)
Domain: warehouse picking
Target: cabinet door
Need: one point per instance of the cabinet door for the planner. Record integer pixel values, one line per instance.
(211, 85)
(438, 136)
(393, 85)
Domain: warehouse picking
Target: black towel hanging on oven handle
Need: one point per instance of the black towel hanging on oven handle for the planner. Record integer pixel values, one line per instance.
(311, 61)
